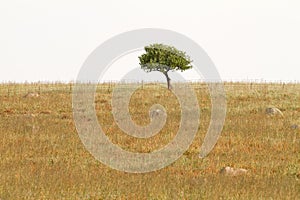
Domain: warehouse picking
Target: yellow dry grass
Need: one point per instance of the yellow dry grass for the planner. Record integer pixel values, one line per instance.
(42, 156)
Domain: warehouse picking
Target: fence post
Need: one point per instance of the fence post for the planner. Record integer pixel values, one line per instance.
(70, 88)
(15, 90)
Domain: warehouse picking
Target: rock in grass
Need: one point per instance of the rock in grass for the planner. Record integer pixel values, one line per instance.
(295, 126)
(156, 113)
(45, 112)
(273, 111)
(31, 94)
(229, 171)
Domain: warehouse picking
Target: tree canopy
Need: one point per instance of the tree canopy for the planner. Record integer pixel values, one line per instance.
(164, 58)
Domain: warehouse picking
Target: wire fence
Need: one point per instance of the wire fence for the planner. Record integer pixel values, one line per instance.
(21, 89)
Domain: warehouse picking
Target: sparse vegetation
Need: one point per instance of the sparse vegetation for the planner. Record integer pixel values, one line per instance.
(42, 156)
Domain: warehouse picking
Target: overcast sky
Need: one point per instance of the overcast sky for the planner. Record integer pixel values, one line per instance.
(49, 40)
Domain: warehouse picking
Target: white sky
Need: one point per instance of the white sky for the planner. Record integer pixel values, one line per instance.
(49, 40)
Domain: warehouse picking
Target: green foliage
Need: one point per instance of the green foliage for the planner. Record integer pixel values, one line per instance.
(164, 58)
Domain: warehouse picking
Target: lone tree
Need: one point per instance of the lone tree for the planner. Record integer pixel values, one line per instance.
(164, 58)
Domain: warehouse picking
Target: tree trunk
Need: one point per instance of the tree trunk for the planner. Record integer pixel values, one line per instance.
(168, 80)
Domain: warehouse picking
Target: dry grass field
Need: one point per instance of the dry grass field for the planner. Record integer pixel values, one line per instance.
(42, 156)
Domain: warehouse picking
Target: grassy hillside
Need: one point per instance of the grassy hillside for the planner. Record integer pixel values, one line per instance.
(42, 156)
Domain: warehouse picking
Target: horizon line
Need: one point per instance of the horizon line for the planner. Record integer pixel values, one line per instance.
(132, 81)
